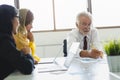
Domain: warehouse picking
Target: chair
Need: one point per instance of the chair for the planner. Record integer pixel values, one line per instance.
(65, 47)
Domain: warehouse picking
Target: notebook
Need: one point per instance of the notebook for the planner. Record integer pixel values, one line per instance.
(59, 64)
(51, 67)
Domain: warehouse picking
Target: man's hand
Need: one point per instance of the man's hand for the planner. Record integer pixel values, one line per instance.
(94, 53)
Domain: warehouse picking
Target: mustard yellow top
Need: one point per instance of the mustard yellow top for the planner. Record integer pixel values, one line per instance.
(22, 41)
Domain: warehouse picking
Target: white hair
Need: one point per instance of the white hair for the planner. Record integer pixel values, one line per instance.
(86, 14)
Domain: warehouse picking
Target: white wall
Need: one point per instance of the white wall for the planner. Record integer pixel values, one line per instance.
(50, 43)
(107, 34)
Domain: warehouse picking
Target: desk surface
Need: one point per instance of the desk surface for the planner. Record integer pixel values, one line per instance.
(98, 71)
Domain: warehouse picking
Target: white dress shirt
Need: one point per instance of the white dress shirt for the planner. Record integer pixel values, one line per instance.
(92, 39)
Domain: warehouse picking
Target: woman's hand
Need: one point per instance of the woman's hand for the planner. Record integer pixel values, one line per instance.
(30, 36)
(26, 50)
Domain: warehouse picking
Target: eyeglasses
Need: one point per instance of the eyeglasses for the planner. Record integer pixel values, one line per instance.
(17, 16)
(85, 24)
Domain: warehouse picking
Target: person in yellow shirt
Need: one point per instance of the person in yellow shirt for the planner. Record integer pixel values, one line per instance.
(24, 36)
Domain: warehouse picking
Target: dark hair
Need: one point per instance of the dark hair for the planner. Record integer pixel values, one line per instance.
(7, 14)
(29, 18)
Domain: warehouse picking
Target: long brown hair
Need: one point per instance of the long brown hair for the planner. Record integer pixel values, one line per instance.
(29, 18)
